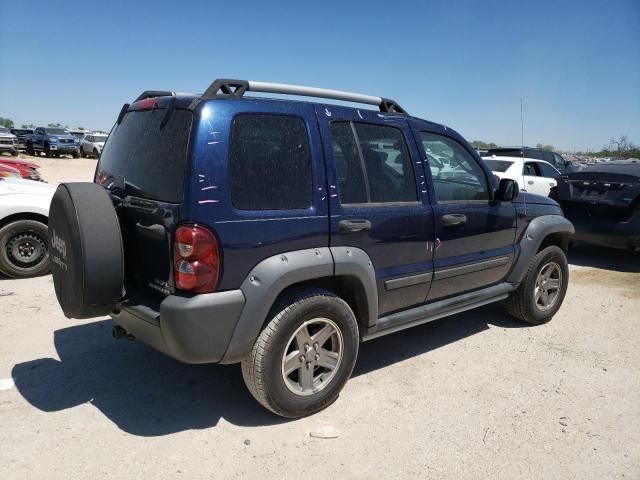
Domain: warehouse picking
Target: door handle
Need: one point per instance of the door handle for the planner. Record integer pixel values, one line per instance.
(530, 182)
(454, 220)
(352, 226)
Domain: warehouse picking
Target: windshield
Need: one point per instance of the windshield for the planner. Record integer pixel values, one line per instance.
(497, 165)
(55, 131)
(4, 130)
(151, 160)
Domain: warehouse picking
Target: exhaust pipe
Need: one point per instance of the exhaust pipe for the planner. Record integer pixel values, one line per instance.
(118, 333)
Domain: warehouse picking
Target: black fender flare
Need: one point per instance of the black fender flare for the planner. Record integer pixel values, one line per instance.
(269, 278)
(537, 230)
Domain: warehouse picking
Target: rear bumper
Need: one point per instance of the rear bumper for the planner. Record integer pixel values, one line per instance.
(190, 329)
(606, 231)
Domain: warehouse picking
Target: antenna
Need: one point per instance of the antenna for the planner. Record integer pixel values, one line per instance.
(521, 127)
(522, 147)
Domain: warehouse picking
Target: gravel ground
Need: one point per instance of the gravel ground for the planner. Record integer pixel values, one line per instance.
(477, 395)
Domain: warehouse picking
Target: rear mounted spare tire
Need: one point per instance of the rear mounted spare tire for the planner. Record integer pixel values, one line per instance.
(87, 259)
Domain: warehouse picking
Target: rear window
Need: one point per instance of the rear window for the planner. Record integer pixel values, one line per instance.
(498, 165)
(151, 159)
(270, 165)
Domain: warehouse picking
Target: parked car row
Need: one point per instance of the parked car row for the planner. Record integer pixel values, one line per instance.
(52, 141)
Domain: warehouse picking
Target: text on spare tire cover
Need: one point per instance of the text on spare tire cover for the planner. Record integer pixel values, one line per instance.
(59, 246)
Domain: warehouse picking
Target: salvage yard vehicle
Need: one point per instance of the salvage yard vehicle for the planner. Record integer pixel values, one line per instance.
(603, 202)
(92, 144)
(53, 141)
(553, 158)
(8, 142)
(24, 210)
(22, 134)
(533, 176)
(223, 228)
(28, 170)
(7, 171)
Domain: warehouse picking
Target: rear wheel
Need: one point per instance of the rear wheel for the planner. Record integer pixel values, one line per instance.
(304, 356)
(24, 249)
(542, 291)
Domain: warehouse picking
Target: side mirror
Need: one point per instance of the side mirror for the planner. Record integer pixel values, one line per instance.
(507, 191)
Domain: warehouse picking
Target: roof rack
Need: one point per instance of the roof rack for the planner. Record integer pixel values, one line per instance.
(226, 88)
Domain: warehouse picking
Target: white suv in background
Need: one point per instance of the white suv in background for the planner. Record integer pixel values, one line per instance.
(92, 144)
(533, 176)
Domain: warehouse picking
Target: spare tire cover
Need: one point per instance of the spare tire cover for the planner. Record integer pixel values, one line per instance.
(87, 260)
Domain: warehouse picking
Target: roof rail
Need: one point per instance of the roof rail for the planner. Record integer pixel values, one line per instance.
(226, 88)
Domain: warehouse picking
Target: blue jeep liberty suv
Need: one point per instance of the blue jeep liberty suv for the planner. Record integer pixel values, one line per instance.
(281, 233)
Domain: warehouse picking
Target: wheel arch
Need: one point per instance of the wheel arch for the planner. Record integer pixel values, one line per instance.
(542, 232)
(38, 217)
(344, 271)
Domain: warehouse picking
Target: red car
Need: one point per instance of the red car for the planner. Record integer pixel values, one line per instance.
(7, 171)
(28, 170)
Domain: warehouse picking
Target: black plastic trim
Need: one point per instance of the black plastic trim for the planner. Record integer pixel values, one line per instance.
(444, 308)
(473, 267)
(408, 281)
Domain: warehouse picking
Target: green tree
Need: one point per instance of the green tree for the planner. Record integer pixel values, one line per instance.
(481, 144)
(549, 148)
(6, 122)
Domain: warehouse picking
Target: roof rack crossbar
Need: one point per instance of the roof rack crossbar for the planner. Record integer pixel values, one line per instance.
(226, 88)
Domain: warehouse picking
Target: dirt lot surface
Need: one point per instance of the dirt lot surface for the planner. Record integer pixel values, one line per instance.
(477, 395)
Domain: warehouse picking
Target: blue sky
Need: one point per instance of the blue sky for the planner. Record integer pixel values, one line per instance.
(466, 64)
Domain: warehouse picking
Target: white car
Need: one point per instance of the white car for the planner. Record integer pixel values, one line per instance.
(92, 144)
(533, 176)
(24, 212)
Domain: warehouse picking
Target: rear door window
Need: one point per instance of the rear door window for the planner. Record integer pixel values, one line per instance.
(152, 160)
(531, 169)
(270, 163)
(373, 164)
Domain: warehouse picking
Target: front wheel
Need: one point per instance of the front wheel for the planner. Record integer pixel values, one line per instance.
(305, 354)
(542, 291)
(96, 154)
(24, 252)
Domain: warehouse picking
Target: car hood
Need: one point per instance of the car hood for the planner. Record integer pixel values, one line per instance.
(526, 197)
(12, 162)
(7, 135)
(12, 186)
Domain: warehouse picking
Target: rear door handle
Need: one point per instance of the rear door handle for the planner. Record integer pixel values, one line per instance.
(530, 182)
(454, 220)
(352, 226)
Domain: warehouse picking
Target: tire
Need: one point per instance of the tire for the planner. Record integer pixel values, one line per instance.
(14, 153)
(87, 256)
(527, 303)
(24, 249)
(311, 311)
(96, 155)
(30, 149)
(47, 151)
(76, 154)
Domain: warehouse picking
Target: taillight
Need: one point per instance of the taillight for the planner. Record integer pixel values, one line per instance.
(196, 259)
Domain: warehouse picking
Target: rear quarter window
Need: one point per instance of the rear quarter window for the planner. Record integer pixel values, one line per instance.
(270, 163)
